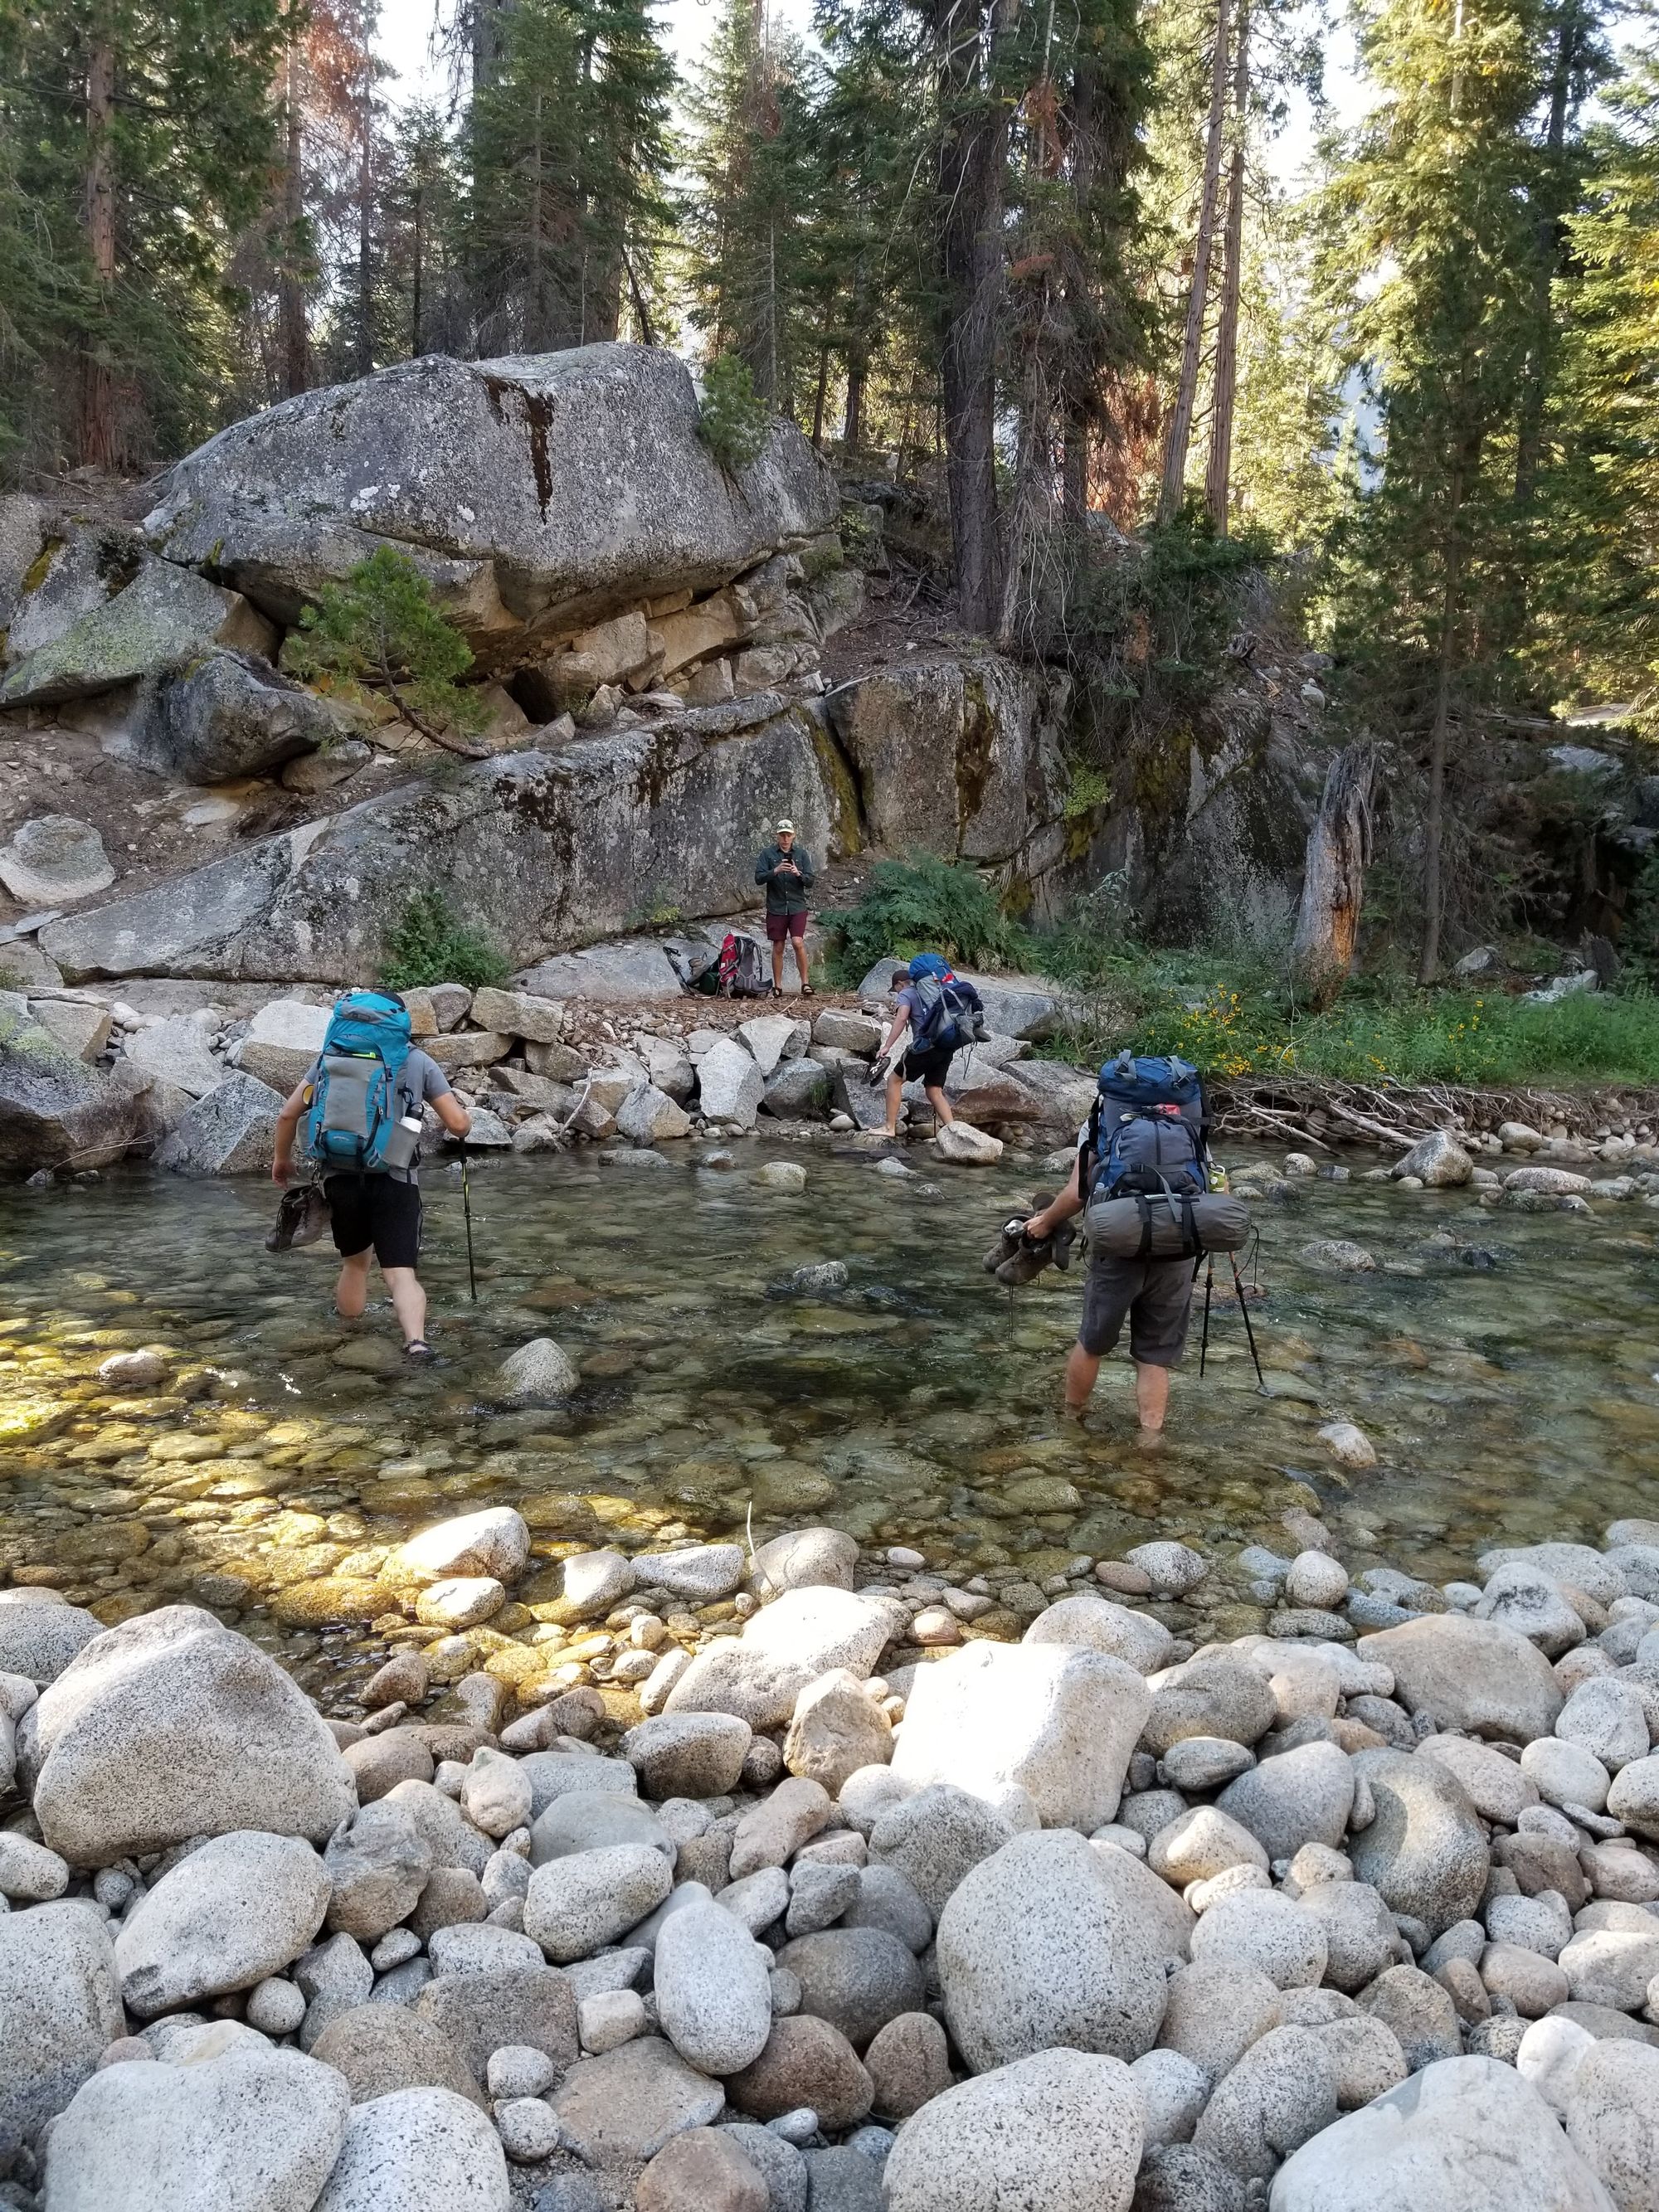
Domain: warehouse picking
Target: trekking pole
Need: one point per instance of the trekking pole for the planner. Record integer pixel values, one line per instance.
(1203, 1340)
(1243, 1307)
(466, 1214)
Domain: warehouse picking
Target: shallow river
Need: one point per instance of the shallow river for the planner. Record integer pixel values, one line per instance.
(920, 1404)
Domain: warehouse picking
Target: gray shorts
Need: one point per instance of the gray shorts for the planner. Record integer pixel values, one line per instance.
(1156, 1295)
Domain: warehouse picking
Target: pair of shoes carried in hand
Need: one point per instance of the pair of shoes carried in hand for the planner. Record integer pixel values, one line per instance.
(1016, 1259)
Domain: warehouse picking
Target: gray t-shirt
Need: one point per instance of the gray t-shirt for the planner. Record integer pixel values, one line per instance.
(422, 1080)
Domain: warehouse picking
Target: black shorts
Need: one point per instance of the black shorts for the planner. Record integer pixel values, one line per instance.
(377, 1210)
(1157, 1295)
(929, 1066)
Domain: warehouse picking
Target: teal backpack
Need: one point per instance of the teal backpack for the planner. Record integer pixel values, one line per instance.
(360, 1093)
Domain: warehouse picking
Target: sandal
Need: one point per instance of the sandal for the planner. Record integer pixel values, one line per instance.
(807, 992)
(420, 1351)
(777, 990)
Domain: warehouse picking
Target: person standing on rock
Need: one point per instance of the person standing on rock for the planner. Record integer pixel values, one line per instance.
(1154, 1296)
(787, 872)
(362, 1105)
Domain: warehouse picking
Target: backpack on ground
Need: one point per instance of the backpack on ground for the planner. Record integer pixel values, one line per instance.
(949, 1012)
(360, 1093)
(741, 972)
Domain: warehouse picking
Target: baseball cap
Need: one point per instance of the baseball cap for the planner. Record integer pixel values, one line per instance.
(786, 829)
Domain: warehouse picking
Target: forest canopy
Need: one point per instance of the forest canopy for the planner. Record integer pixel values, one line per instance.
(1043, 260)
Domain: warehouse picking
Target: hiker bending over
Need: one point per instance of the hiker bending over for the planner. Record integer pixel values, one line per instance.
(1146, 1134)
(940, 1012)
(787, 872)
(361, 1105)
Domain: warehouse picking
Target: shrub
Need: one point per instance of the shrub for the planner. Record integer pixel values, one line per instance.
(428, 943)
(732, 420)
(927, 905)
(379, 628)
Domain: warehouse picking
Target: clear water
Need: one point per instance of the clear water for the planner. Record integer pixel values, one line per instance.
(919, 1405)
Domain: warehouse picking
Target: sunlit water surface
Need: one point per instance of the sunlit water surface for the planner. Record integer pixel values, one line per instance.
(1509, 1400)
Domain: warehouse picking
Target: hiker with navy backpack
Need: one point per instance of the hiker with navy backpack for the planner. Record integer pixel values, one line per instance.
(361, 1107)
(1153, 1211)
(940, 1013)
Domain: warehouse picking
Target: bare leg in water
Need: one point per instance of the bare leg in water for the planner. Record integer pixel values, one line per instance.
(1151, 1390)
(404, 1284)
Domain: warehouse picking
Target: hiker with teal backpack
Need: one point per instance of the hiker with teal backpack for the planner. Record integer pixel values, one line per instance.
(1154, 1210)
(361, 1107)
(941, 1013)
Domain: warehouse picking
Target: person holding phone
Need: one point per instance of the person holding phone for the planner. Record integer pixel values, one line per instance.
(787, 872)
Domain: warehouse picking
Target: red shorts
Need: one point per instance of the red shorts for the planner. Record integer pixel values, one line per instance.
(779, 926)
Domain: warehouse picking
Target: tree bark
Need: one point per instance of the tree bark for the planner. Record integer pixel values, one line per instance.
(1334, 877)
(1434, 817)
(98, 441)
(1217, 482)
(1552, 237)
(1179, 435)
(366, 214)
(972, 184)
(852, 429)
(290, 291)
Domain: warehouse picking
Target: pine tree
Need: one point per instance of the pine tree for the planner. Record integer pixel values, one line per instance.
(141, 135)
(1598, 631)
(570, 153)
(756, 272)
(424, 305)
(1434, 259)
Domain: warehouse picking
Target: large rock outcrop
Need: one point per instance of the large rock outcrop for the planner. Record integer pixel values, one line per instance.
(160, 620)
(542, 850)
(959, 756)
(537, 493)
(55, 1111)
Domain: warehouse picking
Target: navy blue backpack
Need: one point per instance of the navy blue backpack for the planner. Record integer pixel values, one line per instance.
(951, 1013)
(1147, 1130)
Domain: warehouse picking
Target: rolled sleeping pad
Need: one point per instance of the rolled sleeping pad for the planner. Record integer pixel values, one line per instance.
(1165, 1227)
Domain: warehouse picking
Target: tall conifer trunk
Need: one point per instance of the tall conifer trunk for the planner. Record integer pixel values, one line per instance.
(1217, 482)
(290, 292)
(972, 187)
(1434, 896)
(1178, 435)
(97, 441)
(365, 348)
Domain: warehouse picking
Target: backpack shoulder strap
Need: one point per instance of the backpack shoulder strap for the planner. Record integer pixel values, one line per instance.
(1088, 1147)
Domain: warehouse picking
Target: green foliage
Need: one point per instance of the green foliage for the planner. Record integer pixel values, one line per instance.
(429, 945)
(569, 151)
(379, 628)
(189, 153)
(926, 905)
(1599, 612)
(731, 420)
(1147, 624)
(1236, 1017)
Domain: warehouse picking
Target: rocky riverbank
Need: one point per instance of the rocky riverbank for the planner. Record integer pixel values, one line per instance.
(606, 1045)
(818, 1878)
